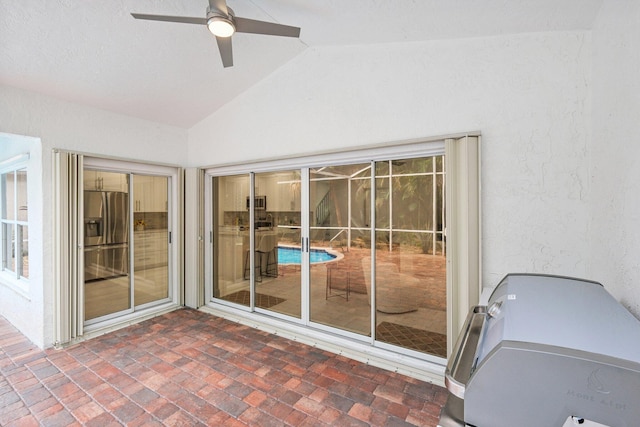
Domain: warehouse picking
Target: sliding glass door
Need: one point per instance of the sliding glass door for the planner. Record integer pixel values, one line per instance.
(340, 200)
(257, 240)
(410, 261)
(107, 272)
(230, 238)
(150, 239)
(277, 231)
(356, 249)
(126, 242)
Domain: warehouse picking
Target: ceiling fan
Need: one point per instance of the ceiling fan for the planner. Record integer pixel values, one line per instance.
(222, 23)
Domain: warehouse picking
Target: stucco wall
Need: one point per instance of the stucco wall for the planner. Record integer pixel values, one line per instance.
(528, 94)
(615, 207)
(68, 126)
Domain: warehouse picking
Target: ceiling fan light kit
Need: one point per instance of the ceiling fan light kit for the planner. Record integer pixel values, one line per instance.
(222, 23)
(221, 27)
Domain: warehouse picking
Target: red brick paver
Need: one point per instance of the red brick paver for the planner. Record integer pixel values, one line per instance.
(190, 368)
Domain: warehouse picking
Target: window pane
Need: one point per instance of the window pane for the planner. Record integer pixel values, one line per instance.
(231, 250)
(422, 165)
(24, 249)
(107, 278)
(361, 202)
(413, 202)
(150, 239)
(22, 194)
(340, 289)
(277, 234)
(411, 296)
(382, 168)
(382, 201)
(409, 261)
(8, 196)
(8, 247)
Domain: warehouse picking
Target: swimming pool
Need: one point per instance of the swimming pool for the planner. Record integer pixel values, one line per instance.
(291, 255)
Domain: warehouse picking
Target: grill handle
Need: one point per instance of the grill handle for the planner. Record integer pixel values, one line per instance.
(463, 357)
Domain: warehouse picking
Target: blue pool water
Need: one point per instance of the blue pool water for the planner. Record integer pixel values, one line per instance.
(292, 255)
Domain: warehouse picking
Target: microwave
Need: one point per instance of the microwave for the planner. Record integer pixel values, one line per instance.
(259, 203)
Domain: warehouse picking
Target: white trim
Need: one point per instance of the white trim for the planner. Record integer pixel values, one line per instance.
(114, 324)
(14, 162)
(402, 149)
(128, 167)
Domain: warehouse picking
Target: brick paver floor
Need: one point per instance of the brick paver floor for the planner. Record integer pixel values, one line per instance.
(189, 368)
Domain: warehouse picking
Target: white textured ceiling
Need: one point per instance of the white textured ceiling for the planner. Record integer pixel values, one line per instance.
(94, 53)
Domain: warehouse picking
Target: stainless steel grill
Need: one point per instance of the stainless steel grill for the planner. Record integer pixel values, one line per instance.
(545, 351)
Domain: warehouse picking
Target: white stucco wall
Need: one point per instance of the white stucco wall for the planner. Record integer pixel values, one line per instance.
(615, 208)
(62, 125)
(528, 94)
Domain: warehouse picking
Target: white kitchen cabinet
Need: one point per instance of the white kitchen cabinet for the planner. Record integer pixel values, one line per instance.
(150, 249)
(235, 191)
(95, 180)
(150, 193)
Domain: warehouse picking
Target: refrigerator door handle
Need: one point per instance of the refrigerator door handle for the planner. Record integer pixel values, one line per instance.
(106, 226)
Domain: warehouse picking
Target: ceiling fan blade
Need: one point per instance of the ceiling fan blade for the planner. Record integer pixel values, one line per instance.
(220, 5)
(244, 25)
(165, 18)
(226, 51)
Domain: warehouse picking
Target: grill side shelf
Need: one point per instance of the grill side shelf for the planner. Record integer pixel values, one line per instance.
(463, 357)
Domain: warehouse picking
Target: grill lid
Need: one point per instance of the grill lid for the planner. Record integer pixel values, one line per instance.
(562, 312)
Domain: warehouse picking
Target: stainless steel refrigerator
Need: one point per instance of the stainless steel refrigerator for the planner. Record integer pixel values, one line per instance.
(106, 235)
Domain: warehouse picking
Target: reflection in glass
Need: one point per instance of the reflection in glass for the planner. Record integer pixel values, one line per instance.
(24, 249)
(340, 289)
(107, 284)
(410, 265)
(231, 227)
(9, 244)
(8, 196)
(150, 239)
(21, 192)
(277, 224)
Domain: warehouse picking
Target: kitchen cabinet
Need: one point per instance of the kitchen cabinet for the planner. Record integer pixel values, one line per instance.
(95, 180)
(235, 191)
(150, 193)
(282, 191)
(151, 249)
(233, 244)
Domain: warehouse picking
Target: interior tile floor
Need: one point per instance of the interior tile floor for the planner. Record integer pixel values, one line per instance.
(189, 368)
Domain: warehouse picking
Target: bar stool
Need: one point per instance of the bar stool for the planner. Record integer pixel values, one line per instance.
(267, 249)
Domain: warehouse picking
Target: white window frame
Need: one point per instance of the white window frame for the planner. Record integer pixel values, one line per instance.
(13, 278)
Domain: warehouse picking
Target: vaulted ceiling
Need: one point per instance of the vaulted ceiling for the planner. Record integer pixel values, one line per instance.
(94, 53)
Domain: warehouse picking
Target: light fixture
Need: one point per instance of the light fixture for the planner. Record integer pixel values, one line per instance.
(220, 26)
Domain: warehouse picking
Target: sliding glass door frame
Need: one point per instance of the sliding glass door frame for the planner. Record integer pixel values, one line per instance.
(137, 169)
(305, 229)
(463, 260)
